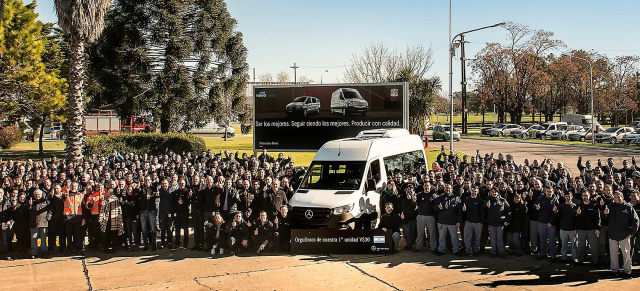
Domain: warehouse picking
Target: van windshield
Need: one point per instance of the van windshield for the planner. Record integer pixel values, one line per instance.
(300, 99)
(351, 95)
(329, 175)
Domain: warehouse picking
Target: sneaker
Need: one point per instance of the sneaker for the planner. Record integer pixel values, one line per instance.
(625, 276)
(221, 251)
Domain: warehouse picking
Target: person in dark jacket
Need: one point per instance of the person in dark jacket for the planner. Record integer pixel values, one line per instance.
(130, 214)
(262, 239)
(623, 225)
(567, 225)
(547, 207)
(147, 204)
(516, 227)
(448, 208)
(408, 214)
(588, 225)
(276, 198)
(426, 218)
(56, 224)
(474, 215)
(21, 224)
(216, 228)
(39, 216)
(181, 211)
(390, 221)
(498, 216)
(165, 213)
(237, 234)
(197, 215)
(282, 235)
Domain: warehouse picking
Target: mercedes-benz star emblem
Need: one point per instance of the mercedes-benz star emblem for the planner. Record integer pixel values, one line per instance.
(308, 214)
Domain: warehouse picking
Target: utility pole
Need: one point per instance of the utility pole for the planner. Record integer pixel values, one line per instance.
(463, 82)
(295, 67)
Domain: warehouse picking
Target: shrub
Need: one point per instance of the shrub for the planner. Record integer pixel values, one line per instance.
(139, 143)
(10, 135)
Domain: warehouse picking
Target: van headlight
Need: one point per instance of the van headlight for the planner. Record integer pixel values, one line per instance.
(343, 209)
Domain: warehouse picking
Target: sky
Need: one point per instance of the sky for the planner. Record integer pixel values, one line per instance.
(320, 37)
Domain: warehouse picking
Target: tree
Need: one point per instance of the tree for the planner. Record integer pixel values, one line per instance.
(377, 63)
(83, 21)
(266, 77)
(283, 77)
(304, 80)
(31, 85)
(180, 63)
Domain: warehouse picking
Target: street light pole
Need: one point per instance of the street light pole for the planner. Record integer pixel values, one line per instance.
(325, 71)
(593, 130)
(451, 53)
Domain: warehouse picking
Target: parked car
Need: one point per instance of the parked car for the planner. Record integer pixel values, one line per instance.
(632, 138)
(524, 133)
(558, 132)
(348, 100)
(505, 131)
(485, 131)
(613, 134)
(581, 135)
(547, 127)
(304, 105)
(443, 131)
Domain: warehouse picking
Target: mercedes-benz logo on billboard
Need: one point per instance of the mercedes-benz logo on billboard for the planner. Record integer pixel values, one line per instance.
(308, 214)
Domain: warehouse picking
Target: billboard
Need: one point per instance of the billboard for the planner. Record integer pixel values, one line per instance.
(304, 117)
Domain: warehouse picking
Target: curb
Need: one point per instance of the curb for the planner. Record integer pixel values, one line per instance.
(560, 145)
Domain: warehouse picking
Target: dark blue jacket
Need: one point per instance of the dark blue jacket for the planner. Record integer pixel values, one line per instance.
(546, 213)
(425, 203)
(566, 216)
(623, 221)
(475, 211)
(589, 217)
(498, 211)
(166, 202)
(451, 212)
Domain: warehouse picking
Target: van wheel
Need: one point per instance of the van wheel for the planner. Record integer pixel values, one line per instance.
(564, 137)
(543, 137)
(613, 140)
(525, 136)
(583, 139)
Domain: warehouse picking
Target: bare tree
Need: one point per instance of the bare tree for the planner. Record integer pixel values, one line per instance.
(304, 80)
(283, 77)
(266, 77)
(377, 63)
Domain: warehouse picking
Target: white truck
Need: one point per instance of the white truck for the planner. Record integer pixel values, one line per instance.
(579, 119)
(347, 176)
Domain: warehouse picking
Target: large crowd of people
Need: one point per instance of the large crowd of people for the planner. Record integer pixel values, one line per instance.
(239, 203)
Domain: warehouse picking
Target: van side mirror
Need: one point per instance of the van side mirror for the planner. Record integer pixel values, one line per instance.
(371, 185)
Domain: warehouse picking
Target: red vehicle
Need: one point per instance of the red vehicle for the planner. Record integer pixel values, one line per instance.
(107, 122)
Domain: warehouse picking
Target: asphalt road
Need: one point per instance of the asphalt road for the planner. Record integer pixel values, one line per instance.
(191, 270)
(526, 150)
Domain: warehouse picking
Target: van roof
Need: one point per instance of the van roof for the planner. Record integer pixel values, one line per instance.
(369, 143)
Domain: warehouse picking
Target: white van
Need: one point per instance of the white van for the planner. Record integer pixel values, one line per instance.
(346, 177)
(579, 119)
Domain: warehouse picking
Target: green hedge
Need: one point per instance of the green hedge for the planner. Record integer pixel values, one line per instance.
(139, 143)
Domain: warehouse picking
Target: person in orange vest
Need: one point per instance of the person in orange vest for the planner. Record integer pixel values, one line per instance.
(93, 202)
(73, 221)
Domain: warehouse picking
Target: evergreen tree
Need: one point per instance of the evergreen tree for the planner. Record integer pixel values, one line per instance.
(179, 62)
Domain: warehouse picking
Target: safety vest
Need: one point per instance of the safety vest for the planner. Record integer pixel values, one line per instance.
(73, 205)
(97, 203)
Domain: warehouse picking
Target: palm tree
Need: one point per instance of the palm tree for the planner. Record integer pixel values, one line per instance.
(83, 21)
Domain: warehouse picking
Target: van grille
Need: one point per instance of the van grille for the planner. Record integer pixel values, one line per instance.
(320, 215)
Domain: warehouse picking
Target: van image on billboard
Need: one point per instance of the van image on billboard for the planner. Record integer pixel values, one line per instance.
(348, 100)
(342, 187)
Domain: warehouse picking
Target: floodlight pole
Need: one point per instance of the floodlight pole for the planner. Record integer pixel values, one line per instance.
(464, 87)
(593, 130)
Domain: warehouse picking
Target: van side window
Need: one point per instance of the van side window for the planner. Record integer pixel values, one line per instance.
(374, 171)
(403, 163)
